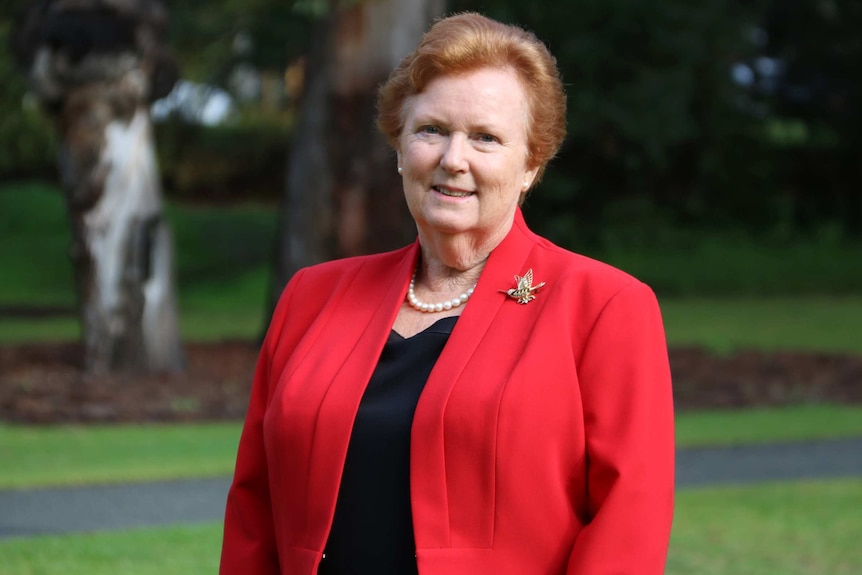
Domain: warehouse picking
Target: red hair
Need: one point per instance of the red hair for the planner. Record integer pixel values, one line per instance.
(469, 41)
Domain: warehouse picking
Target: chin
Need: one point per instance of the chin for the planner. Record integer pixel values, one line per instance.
(449, 223)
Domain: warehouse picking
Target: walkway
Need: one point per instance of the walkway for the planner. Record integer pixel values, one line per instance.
(97, 508)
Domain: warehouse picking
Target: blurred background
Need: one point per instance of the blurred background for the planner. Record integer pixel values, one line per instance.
(714, 151)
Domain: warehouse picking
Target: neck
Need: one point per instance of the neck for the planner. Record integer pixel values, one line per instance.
(436, 276)
(458, 255)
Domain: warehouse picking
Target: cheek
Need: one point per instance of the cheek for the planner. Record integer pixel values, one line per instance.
(420, 157)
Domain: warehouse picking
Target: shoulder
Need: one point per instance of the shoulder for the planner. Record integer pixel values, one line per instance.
(580, 273)
(312, 289)
(334, 273)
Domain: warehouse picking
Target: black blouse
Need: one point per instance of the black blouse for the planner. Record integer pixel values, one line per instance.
(372, 532)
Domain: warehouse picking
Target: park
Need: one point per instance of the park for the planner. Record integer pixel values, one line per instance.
(736, 198)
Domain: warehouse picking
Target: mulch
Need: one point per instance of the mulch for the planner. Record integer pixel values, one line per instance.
(45, 384)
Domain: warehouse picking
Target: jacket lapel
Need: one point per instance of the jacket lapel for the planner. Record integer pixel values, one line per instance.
(365, 314)
(428, 459)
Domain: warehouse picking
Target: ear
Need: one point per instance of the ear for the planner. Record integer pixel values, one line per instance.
(529, 178)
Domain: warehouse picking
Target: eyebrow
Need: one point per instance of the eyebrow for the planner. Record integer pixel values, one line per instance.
(428, 118)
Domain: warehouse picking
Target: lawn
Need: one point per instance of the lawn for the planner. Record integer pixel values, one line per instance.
(77, 455)
(180, 550)
(806, 528)
(51, 456)
(776, 529)
(809, 323)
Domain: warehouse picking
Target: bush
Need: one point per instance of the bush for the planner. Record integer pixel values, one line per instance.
(226, 163)
(28, 147)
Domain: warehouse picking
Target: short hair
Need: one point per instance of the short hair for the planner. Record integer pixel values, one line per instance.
(468, 41)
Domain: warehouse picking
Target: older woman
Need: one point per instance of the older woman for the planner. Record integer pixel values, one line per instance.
(481, 401)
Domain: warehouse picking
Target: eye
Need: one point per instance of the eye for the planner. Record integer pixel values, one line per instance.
(487, 138)
(429, 130)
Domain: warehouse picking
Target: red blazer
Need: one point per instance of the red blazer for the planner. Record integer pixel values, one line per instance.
(542, 443)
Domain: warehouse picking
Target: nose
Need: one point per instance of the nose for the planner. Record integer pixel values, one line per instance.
(454, 157)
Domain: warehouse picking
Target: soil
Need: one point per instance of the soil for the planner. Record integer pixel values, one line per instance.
(45, 383)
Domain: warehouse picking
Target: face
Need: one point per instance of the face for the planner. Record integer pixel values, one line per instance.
(463, 152)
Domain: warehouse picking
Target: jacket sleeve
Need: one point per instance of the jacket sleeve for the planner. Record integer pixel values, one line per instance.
(627, 399)
(249, 544)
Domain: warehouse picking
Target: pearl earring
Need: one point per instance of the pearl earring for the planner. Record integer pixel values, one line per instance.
(400, 170)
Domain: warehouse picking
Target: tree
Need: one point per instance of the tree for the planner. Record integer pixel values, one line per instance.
(96, 65)
(816, 50)
(343, 194)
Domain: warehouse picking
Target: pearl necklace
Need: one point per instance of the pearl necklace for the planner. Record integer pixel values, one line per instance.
(416, 304)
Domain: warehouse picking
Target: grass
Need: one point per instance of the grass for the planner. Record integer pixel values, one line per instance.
(780, 529)
(806, 528)
(772, 425)
(811, 323)
(76, 455)
(34, 229)
(182, 550)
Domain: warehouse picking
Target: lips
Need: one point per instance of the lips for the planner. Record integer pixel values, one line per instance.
(451, 192)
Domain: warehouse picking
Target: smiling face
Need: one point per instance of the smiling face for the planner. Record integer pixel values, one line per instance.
(463, 151)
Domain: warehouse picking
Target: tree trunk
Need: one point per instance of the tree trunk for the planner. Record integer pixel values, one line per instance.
(122, 250)
(343, 194)
(97, 65)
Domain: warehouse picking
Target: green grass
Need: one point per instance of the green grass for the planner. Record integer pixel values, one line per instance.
(773, 425)
(809, 323)
(776, 529)
(34, 247)
(75, 455)
(183, 550)
(70, 455)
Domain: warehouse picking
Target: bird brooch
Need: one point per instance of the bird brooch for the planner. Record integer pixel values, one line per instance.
(525, 290)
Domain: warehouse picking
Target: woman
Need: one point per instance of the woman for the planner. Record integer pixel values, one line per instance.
(481, 401)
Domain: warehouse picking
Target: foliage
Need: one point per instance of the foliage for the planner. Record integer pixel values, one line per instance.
(660, 133)
(27, 143)
(211, 37)
(652, 107)
(818, 52)
(657, 121)
(235, 162)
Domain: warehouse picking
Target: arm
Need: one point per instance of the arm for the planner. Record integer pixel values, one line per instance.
(249, 544)
(628, 419)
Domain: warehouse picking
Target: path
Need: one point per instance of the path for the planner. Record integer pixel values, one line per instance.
(98, 508)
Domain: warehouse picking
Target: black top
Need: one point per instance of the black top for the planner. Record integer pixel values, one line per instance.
(372, 532)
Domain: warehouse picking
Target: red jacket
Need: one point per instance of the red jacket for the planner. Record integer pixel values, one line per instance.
(542, 443)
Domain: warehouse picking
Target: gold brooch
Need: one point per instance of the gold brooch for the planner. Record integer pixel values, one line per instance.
(524, 292)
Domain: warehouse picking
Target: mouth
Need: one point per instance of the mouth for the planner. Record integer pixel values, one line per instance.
(450, 192)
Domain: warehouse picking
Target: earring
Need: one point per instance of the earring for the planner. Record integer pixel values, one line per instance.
(400, 170)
